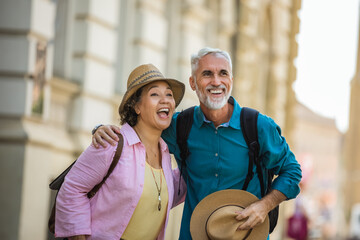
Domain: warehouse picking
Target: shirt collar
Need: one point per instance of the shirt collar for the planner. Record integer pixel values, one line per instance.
(234, 122)
(132, 137)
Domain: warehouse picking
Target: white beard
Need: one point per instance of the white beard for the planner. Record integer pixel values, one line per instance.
(210, 103)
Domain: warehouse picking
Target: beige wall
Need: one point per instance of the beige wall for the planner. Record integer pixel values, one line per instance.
(91, 46)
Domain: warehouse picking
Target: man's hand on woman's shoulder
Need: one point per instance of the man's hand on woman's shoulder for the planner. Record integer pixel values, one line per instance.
(105, 134)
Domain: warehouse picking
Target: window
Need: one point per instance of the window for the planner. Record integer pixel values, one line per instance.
(39, 80)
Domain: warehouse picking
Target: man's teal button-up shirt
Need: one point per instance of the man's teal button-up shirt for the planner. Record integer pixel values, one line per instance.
(219, 159)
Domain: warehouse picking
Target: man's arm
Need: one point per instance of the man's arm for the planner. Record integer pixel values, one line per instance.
(257, 212)
(278, 157)
(105, 134)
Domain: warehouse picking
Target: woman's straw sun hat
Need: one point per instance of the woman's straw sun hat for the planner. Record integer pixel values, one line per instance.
(145, 74)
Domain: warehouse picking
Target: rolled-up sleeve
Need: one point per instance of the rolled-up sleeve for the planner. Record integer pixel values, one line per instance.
(179, 189)
(73, 213)
(278, 157)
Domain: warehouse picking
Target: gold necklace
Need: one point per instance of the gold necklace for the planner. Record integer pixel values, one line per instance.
(157, 187)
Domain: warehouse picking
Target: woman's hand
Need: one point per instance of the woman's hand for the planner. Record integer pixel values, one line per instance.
(106, 133)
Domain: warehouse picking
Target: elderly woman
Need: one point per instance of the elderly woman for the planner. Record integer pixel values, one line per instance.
(135, 200)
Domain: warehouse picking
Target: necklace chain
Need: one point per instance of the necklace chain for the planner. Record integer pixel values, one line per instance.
(157, 187)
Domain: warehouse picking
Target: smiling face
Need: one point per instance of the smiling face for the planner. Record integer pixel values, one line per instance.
(156, 105)
(212, 81)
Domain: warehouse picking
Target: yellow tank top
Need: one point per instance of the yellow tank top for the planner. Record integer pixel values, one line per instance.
(147, 221)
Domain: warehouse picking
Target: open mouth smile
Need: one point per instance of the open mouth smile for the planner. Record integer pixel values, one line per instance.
(216, 91)
(163, 112)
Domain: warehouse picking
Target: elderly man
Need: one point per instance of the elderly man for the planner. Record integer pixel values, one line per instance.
(219, 154)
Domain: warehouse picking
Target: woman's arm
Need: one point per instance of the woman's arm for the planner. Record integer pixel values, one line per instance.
(73, 214)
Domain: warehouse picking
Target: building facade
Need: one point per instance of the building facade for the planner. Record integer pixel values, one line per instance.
(318, 147)
(64, 66)
(351, 156)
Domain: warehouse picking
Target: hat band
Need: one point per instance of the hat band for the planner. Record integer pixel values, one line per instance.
(228, 205)
(136, 81)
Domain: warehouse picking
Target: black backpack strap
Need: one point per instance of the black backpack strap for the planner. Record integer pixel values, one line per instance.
(248, 121)
(111, 168)
(56, 184)
(183, 126)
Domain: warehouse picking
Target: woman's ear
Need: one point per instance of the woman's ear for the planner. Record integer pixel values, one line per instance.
(137, 109)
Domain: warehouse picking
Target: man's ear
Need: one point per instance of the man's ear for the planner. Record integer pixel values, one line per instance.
(192, 83)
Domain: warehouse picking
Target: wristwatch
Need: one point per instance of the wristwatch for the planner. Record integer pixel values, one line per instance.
(96, 128)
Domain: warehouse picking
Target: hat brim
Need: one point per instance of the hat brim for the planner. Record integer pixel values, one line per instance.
(177, 87)
(221, 198)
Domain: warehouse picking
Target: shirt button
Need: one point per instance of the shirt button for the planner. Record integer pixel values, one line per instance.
(216, 154)
(215, 132)
(142, 165)
(141, 185)
(216, 175)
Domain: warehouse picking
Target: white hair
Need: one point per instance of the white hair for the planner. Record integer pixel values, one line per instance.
(205, 51)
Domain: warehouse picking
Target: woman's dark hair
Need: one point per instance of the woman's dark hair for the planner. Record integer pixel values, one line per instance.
(129, 115)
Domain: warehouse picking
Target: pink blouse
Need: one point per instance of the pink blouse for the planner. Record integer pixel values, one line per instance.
(106, 215)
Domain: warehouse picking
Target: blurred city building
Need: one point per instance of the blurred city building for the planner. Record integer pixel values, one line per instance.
(350, 176)
(64, 66)
(318, 148)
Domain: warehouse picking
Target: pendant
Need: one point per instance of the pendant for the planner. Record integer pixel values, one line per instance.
(159, 205)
